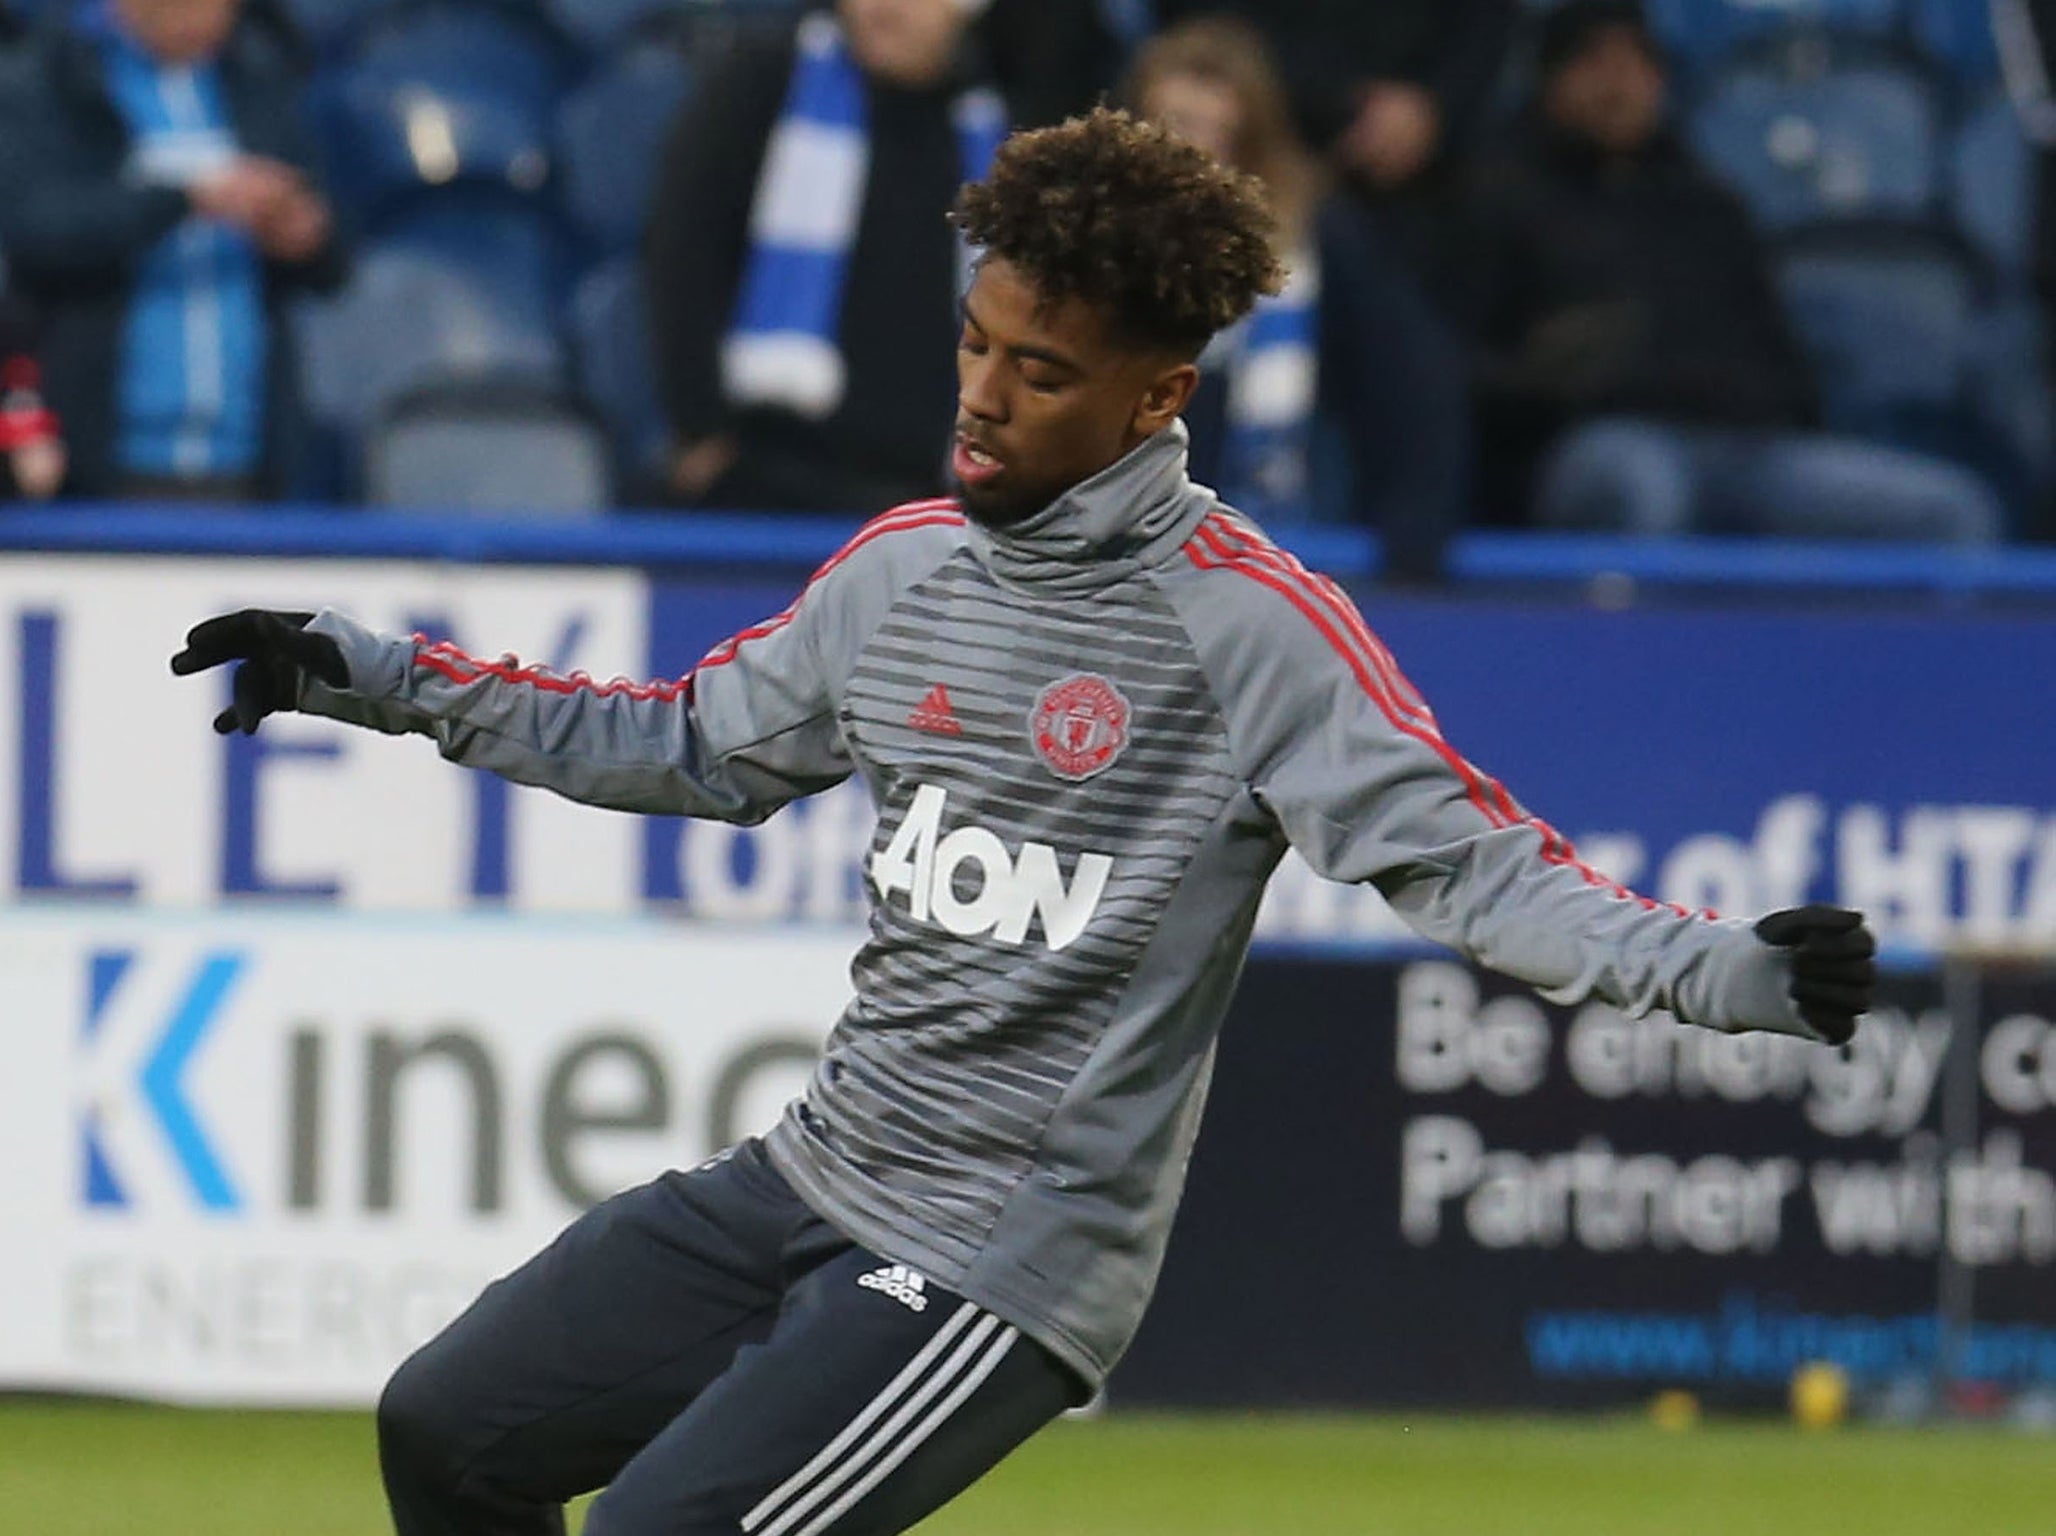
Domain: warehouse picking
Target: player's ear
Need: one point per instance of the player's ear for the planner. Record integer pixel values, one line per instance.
(1164, 398)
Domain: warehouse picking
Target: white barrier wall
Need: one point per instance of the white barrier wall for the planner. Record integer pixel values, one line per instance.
(256, 1159)
(116, 785)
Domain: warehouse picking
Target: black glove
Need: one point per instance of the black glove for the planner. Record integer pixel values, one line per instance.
(273, 650)
(1832, 966)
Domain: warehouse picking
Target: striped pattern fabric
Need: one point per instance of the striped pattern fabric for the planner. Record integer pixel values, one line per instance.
(945, 1074)
(192, 383)
(784, 348)
(895, 1424)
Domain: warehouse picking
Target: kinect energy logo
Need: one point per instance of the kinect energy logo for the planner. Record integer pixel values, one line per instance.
(158, 1084)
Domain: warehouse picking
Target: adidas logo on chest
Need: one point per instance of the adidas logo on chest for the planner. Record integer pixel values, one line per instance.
(902, 1284)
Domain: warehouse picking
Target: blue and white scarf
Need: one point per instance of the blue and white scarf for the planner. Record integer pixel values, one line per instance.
(192, 380)
(1272, 362)
(783, 345)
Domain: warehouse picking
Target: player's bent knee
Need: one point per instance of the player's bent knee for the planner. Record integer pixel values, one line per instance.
(416, 1428)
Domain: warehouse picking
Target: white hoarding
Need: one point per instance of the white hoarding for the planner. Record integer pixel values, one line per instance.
(115, 786)
(256, 1159)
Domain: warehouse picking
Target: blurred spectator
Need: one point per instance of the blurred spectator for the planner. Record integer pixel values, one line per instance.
(1051, 59)
(1387, 86)
(31, 449)
(2026, 34)
(158, 203)
(1350, 346)
(1638, 369)
(802, 277)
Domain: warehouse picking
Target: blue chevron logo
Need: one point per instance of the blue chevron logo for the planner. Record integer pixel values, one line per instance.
(161, 1080)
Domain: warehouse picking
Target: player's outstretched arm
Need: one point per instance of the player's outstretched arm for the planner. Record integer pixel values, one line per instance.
(1348, 758)
(732, 742)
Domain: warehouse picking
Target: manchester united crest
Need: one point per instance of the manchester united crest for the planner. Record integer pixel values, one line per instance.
(1079, 725)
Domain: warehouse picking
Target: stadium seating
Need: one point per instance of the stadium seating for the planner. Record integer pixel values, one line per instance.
(402, 136)
(601, 26)
(1990, 189)
(1958, 35)
(2013, 403)
(330, 25)
(1856, 142)
(497, 156)
(1703, 33)
(513, 247)
(487, 446)
(609, 134)
(610, 330)
(1888, 316)
(495, 48)
(408, 316)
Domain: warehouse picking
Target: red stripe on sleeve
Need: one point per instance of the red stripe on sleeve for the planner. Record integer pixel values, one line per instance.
(446, 660)
(1222, 544)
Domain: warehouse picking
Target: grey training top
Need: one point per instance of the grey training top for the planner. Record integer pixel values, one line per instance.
(1090, 739)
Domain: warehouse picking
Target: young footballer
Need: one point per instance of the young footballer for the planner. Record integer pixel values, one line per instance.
(1094, 707)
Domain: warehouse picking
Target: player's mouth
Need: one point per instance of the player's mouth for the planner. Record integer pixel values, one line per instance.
(973, 463)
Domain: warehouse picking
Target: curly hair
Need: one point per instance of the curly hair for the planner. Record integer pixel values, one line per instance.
(1151, 231)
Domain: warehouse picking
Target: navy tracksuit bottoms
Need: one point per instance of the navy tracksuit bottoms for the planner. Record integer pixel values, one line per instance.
(718, 1359)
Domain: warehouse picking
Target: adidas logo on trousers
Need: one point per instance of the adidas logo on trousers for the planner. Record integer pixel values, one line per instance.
(902, 1284)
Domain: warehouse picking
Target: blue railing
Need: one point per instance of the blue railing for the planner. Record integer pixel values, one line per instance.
(704, 538)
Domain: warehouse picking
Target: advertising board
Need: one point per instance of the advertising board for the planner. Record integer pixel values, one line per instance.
(256, 1159)
(1418, 1183)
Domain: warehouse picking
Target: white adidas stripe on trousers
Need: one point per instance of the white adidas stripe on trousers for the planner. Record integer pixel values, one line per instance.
(891, 1427)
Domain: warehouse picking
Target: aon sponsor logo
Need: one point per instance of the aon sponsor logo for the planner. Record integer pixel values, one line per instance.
(1006, 892)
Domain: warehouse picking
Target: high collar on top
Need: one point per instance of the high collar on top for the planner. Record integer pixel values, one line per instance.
(1135, 513)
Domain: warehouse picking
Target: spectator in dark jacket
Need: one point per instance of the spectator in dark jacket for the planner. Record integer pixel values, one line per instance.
(31, 448)
(1051, 59)
(803, 278)
(1387, 86)
(158, 203)
(1637, 369)
(1349, 357)
(2025, 31)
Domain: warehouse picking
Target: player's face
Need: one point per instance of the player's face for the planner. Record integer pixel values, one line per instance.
(1048, 395)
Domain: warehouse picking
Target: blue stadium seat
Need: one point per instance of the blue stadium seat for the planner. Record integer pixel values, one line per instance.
(451, 90)
(410, 314)
(505, 51)
(513, 247)
(1889, 318)
(487, 446)
(330, 25)
(602, 26)
(390, 139)
(611, 336)
(1990, 186)
(1701, 33)
(1856, 142)
(1959, 35)
(609, 134)
(2013, 398)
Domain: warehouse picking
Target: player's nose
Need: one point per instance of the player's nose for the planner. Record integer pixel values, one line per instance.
(980, 390)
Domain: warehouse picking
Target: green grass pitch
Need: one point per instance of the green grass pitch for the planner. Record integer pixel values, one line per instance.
(75, 1469)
